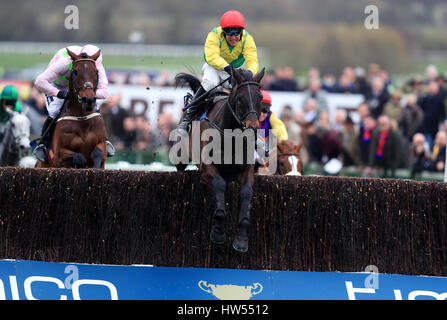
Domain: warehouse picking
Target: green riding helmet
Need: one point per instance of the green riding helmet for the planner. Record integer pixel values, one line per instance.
(11, 95)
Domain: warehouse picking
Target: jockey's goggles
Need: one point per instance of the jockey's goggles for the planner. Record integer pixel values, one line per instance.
(8, 102)
(233, 32)
(265, 108)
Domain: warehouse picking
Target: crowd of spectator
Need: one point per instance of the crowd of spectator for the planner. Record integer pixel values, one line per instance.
(398, 127)
(161, 78)
(135, 132)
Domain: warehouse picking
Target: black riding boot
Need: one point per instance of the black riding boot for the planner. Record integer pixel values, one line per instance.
(41, 150)
(110, 148)
(192, 109)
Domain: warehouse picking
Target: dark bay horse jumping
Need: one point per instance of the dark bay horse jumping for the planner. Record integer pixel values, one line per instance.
(79, 133)
(240, 111)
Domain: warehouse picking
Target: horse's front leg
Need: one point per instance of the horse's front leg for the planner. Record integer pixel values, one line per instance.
(98, 156)
(240, 242)
(211, 177)
(66, 158)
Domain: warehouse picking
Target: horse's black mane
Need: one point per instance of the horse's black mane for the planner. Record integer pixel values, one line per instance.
(185, 78)
(248, 76)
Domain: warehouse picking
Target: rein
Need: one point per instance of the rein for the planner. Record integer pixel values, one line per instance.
(252, 109)
(288, 154)
(86, 85)
(264, 163)
(238, 119)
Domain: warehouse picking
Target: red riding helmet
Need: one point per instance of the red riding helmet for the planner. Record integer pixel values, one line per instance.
(266, 98)
(232, 19)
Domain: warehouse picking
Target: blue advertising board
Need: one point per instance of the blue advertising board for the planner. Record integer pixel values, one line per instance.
(22, 279)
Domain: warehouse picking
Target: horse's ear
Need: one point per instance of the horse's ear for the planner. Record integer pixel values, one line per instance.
(96, 55)
(73, 55)
(236, 75)
(259, 75)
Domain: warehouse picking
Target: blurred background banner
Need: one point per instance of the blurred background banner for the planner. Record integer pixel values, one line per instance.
(152, 102)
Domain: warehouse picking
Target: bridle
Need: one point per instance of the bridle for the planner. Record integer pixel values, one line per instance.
(86, 85)
(240, 120)
(288, 154)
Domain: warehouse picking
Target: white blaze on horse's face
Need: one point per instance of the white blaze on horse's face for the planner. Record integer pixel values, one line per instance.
(294, 163)
(20, 130)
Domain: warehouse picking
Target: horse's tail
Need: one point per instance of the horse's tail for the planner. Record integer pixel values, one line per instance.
(192, 81)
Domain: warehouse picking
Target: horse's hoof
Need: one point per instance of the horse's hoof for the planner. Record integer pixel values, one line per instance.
(79, 161)
(240, 244)
(218, 236)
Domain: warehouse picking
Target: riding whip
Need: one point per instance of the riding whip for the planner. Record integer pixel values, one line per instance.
(207, 92)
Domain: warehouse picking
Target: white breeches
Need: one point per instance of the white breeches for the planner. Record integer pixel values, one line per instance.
(211, 77)
(54, 104)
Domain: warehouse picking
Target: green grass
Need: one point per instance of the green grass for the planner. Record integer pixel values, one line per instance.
(18, 61)
(193, 64)
(419, 66)
(174, 64)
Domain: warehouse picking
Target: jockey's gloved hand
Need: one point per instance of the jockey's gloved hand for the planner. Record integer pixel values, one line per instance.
(228, 69)
(63, 93)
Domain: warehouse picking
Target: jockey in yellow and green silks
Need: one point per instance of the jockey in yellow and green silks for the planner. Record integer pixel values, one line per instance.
(228, 45)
